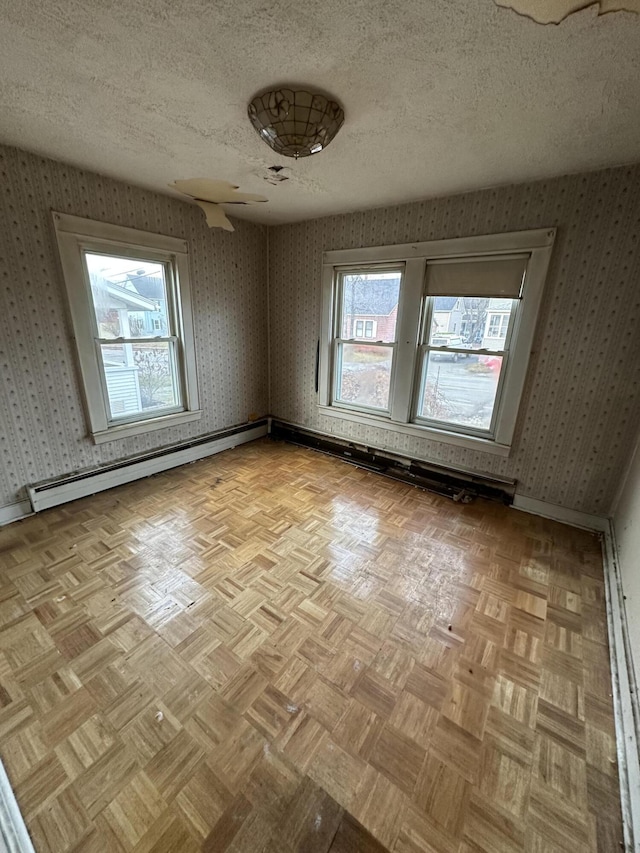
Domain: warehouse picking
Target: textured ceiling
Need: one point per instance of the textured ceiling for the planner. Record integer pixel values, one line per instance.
(440, 96)
(554, 11)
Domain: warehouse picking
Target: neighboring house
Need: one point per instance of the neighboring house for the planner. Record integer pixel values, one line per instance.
(149, 322)
(117, 307)
(447, 315)
(370, 310)
(496, 324)
(373, 309)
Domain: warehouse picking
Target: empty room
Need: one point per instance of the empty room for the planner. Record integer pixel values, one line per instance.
(319, 408)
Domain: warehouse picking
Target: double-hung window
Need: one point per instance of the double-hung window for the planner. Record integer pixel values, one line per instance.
(363, 371)
(130, 306)
(454, 326)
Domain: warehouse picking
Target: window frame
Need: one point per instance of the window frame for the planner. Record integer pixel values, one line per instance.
(76, 236)
(401, 418)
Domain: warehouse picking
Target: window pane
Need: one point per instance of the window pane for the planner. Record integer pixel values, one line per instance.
(364, 374)
(470, 322)
(461, 391)
(370, 301)
(140, 378)
(129, 297)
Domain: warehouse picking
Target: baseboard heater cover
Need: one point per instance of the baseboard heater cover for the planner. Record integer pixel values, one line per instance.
(458, 485)
(64, 489)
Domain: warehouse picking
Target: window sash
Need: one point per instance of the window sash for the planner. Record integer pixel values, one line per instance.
(338, 341)
(337, 361)
(156, 340)
(452, 426)
(173, 339)
(176, 374)
(167, 264)
(422, 354)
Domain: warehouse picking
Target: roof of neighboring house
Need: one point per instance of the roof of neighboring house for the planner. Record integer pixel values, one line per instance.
(129, 298)
(445, 303)
(499, 305)
(373, 297)
(151, 286)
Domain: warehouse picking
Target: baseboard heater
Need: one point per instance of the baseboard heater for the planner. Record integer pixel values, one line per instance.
(459, 485)
(78, 485)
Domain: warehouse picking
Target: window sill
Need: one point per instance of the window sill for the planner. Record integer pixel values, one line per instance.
(483, 445)
(115, 433)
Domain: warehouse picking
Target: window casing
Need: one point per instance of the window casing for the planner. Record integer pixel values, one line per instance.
(130, 306)
(498, 275)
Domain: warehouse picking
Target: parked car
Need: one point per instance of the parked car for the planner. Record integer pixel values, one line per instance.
(492, 362)
(446, 340)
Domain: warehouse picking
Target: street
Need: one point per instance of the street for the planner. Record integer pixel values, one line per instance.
(460, 392)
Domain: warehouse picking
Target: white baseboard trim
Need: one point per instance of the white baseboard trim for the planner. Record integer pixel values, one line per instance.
(52, 493)
(559, 513)
(14, 512)
(625, 694)
(14, 837)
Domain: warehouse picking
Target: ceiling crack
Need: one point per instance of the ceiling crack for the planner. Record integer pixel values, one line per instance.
(555, 11)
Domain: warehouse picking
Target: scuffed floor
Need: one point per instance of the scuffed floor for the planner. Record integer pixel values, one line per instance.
(271, 650)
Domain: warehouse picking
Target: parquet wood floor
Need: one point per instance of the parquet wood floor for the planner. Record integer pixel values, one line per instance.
(271, 651)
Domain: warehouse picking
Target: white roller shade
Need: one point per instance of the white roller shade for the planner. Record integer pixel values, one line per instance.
(499, 276)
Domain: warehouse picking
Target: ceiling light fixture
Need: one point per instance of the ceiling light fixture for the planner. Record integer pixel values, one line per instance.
(294, 122)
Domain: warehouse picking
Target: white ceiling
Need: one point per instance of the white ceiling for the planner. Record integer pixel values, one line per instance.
(440, 96)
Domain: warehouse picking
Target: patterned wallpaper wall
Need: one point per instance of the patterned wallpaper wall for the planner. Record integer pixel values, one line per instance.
(42, 425)
(581, 404)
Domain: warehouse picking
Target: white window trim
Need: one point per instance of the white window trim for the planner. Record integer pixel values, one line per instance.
(74, 233)
(538, 243)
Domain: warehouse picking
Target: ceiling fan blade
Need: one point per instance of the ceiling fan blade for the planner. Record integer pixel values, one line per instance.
(215, 215)
(217, 192)
(245, 198)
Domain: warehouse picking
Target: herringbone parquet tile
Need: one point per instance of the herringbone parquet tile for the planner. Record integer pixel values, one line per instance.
(270, 650)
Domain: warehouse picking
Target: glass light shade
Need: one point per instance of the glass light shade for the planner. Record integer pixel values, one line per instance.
(295, 123)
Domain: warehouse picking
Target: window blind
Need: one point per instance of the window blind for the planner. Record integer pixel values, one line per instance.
(499, 276)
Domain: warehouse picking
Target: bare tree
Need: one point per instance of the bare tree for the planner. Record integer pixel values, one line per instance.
(153, 372)
(474, 317)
